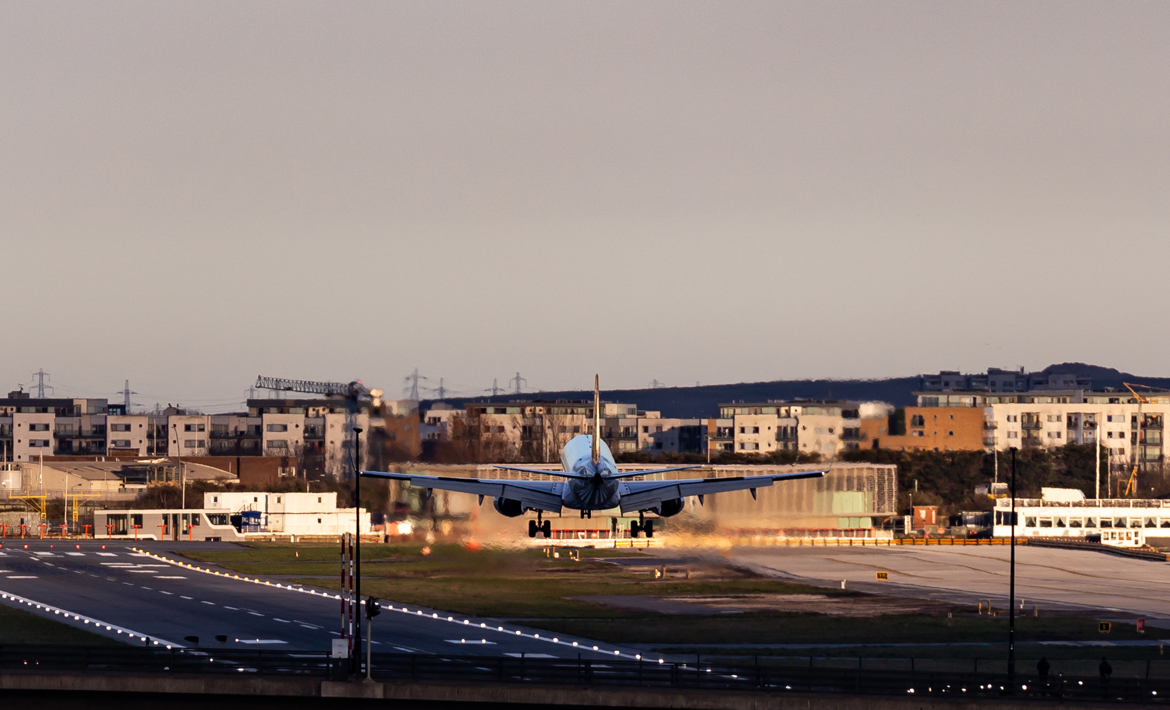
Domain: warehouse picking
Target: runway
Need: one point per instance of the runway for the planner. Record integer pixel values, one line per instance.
(1045, 577)
(155, 601)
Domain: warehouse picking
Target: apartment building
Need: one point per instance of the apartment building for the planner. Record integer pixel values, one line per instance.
(537, 430)
(312, 434)
(997, 381)
(826, 427)
(1129, 430)
(926, 429)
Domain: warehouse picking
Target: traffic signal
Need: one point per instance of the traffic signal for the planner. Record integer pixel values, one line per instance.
(372, 608)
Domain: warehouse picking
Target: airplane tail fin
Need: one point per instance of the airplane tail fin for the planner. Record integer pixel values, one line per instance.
(596, 453)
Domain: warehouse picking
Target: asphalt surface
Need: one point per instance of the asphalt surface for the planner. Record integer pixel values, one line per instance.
(151, 597)
(1046, 578)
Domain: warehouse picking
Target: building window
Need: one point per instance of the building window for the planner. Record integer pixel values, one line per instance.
(38, 427)
(1013, 434)
(917, 420)
(277, 444)
(277, 427)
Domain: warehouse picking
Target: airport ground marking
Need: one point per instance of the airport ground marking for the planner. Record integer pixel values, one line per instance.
(16, 599)
(136, 552)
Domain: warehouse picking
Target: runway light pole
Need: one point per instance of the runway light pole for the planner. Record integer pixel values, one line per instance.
(1012, 589)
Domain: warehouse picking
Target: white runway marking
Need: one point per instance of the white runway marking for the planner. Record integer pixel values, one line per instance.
(172, 576)
(108, 554)
(265, 641)
(255, 614)
(477, 642)
(225, 606)
(23, 576)
(529, 655)
(75, 554)
(207, 602)
(169, 594)
(183, 597)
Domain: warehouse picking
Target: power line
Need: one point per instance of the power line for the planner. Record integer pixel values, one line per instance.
(495, 389)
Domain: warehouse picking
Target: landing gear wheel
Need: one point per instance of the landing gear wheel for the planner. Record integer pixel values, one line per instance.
(635, 528)
(648, 526)
(531, 528)
(547, 529)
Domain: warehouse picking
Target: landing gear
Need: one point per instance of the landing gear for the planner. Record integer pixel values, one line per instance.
(539, 525)
(641, 525)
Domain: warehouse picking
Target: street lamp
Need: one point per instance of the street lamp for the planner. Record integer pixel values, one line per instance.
(182, 471)
(1012, 588)
(357, 541)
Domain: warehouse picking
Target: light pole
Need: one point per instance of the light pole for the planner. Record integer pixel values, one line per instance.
(1012, 589)
(182, 471)
(357, 549)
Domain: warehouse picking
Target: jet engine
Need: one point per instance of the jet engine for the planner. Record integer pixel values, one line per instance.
(668, 508)
(508, 507)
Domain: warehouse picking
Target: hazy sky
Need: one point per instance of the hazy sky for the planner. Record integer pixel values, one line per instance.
(194, 193)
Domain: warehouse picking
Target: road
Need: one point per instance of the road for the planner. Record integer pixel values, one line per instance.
(145, 597)
(1045, 577)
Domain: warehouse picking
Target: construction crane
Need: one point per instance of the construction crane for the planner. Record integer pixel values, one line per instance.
(351, 390)
(1140, 444)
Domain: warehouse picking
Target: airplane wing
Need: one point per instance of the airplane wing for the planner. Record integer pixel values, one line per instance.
(544, 471)
(643, 495)
(645, 471)
(540, 495)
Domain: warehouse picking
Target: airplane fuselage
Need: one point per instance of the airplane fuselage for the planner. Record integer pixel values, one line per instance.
(591, 488)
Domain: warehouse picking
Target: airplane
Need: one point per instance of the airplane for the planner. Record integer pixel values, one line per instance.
(592, 482)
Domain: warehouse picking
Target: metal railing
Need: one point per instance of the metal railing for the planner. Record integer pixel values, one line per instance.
(764, 678)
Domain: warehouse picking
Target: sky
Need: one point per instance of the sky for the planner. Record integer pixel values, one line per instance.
(196, 193)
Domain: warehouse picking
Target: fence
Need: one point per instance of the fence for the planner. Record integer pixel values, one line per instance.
(858, 680)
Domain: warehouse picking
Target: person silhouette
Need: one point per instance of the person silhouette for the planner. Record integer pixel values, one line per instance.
(1105, 670)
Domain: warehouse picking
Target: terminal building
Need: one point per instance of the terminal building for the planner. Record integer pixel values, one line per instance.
(236, 516)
